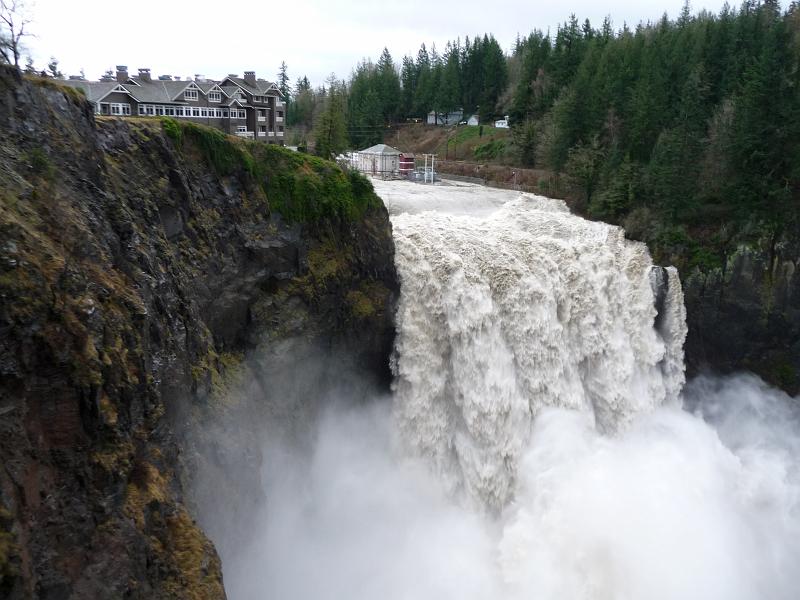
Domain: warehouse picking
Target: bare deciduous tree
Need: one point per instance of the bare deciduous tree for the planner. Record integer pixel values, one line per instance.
(14, 20)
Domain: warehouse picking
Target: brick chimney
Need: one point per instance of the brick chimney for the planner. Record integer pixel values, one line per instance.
(122, 73)
(144, 75)
(250, 78)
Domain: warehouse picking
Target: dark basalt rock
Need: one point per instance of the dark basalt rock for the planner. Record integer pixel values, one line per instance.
(133, 282)
(746, 315)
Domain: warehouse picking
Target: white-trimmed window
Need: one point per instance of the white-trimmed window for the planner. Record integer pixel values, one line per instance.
(190, 94)
(204, 112)
(214, 97)
(225, 114)
(241, 128)
(160, 111)
(195, 112)
(120, 109)
(142, 109)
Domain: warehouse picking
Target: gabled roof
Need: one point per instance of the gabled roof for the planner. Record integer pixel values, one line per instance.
(205, 86)
(230, 90)
(261, 88)
(381, 149)
(158, 90)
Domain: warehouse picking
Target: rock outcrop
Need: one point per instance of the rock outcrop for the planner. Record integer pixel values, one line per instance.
(142, 264)
(746, 314)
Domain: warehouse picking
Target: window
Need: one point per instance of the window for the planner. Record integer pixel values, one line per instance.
(195, 112)
(225, 114)
(142, 109)
(120, 109)
(190, 95)
(170, 111)
(241, 128)
(160, 111)
(214, 97)
(203, 112)
(263, 129)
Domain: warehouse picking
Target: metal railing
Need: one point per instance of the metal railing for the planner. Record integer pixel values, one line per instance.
(245, 134)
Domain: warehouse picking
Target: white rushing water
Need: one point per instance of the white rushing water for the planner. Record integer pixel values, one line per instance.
(537, 443)
(504, 315)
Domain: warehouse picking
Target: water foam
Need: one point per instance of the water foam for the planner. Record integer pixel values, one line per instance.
(504, 315)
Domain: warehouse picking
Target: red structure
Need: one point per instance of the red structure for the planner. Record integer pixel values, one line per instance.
(406, 164)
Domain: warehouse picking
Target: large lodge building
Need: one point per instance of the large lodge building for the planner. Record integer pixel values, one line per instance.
(244, 106)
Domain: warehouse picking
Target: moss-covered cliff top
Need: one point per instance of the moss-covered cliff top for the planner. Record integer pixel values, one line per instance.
(303, 188)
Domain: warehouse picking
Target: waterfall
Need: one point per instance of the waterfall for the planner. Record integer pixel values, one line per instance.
(528, 307)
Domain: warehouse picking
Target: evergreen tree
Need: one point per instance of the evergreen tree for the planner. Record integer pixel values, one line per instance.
(283, 81)
(330, 131)
(408, 82)
(388, 87)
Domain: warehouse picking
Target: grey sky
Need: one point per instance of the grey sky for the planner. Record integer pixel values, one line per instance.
(314, 37)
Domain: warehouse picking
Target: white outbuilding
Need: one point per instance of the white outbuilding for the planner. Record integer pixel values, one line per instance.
(379, 160)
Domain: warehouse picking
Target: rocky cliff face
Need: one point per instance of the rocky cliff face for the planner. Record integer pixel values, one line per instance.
(142, 266)
(745, 315)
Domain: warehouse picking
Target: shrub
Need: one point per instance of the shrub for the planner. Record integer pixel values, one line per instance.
(173, 130)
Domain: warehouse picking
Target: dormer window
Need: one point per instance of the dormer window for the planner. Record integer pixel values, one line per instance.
(190, 94)
(214, 97)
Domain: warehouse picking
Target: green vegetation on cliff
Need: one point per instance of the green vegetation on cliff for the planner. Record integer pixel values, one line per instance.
(301, 187)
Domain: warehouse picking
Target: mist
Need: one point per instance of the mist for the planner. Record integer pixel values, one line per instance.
(702, 502)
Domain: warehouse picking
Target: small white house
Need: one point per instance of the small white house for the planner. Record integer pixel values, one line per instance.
(474, 120)
(380, 160)
(502, 123)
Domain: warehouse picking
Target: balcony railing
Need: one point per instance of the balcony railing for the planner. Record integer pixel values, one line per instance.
(280, 134)
(262, 119)
(279, 119)
(245, 134)
(262, 134)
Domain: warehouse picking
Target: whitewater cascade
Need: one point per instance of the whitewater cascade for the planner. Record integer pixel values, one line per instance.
(526, 308)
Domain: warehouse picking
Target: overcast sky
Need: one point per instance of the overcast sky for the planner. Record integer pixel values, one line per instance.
(314, 37)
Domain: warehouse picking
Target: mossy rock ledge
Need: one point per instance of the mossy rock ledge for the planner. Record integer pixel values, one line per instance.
(144, 266)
